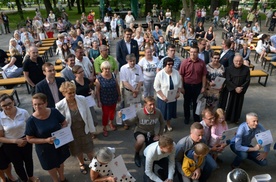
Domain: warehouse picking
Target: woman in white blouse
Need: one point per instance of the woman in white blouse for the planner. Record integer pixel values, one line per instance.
(12, 135)
(167, 85)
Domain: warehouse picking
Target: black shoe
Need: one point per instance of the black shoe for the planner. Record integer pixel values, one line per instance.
(137, 160)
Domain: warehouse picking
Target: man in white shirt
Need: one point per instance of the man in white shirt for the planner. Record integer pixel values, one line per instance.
(52, 17)
(162, 153)
(132, 79)
(129, 19)
(85, 63)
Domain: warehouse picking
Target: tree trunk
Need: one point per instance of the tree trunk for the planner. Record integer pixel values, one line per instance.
(19, 10)
(189, 9)
(148, 7)
(78, 6)
(69, 5)
(72, 3)
(83, 5)
(48, 6)
(255, 5)
(54, 2)
(214, 5)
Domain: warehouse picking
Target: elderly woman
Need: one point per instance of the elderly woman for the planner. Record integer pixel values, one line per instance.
(100, 170)
(13, 44)
(167, 81)
(74, 108)
(108, 94)
(214, 70)
(15, 67)
(40, 126)
(237, 82)
(149, 65)
(74, 39)
(12, 135)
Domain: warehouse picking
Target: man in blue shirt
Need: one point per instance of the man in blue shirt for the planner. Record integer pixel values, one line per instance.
(156, 33)
(241, 143)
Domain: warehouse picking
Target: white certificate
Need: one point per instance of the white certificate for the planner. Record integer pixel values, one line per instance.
(62, 136)
(128, 112)
(90, 101)
(119, 170)
(264, 138)
(228, 134)
(218, 81)
(171, 94)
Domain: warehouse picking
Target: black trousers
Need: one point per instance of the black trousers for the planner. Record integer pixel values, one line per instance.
(163, 163)
(21, 158)
(191, 93)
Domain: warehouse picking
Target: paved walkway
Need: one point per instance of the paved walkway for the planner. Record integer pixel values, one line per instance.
(259, 99)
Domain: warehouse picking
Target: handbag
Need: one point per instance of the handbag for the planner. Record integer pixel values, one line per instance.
(201, 104)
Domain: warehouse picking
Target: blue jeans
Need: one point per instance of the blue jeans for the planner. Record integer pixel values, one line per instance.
(246, 155)
(209, 166)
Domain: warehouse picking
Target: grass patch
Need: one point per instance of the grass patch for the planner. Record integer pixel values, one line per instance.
(73, 15)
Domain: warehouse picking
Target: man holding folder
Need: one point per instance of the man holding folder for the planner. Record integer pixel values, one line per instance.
(241, 143)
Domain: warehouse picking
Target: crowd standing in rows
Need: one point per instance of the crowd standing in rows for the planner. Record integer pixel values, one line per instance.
(84, 52)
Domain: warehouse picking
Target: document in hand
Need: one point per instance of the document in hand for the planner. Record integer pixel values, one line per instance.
(120, 171)
(62, 136)
(171, 94)
(264, 138)
(228, 134)
(218, 81)
(128, 112)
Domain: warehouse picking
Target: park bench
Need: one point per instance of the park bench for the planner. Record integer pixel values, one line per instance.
(259, 74)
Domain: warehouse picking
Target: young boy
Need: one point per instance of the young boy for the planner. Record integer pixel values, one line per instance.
(194, 161)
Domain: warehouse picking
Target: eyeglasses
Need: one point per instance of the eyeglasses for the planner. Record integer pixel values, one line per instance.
(170, 64)
(80, 72)
(7, 105)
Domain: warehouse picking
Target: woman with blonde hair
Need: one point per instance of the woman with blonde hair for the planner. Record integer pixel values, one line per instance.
(74, 39)
(15, 67)
(77, 114)
(108, 94)
(13, 44)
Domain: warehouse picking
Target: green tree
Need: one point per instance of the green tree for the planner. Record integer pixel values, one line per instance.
(19, 9)
(173, 5)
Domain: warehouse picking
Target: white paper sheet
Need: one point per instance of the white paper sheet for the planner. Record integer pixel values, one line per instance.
(171, 94)
(90, 101)
(264, 138)
(62, 136)
(128, 112)
(229, 134)
(218, 81)
(120, 171)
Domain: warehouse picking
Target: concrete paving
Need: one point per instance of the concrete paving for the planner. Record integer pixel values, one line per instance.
(258, 99)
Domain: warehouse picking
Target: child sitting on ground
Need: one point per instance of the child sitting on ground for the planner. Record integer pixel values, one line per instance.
(194, 160)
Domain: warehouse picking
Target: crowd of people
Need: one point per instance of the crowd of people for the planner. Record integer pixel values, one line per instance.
(90, 72)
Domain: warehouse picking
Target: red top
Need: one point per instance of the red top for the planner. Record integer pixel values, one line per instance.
(192, 72)
(90, 18)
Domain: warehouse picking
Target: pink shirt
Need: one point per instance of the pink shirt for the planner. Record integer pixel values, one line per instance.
(216, 133)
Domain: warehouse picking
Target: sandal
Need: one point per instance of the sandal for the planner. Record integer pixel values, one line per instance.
(112, 127)
(65, 180)
(83, 169)
(105, 134)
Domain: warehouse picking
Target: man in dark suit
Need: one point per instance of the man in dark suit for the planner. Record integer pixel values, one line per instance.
(67, 73)
(226, 55)
(50, 85)
(126, 46)
(203, 54)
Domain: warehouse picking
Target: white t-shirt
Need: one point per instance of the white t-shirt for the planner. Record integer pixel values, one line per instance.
(149, 68)
(14, 128)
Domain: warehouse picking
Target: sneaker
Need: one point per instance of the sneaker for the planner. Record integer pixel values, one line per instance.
(137, 160)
